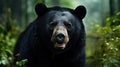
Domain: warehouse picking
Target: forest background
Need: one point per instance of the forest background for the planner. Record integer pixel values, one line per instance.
(102, 26)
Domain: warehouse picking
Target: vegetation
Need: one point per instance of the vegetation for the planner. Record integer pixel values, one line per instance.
(107, 47)
(108, 52)
(8, 33)
(103, 38)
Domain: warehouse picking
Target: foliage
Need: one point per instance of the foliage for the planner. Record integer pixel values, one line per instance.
(107, 53)
(6, 45)
(21, 63)
(8, 33)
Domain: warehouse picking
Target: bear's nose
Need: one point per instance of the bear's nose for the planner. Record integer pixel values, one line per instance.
(60, 38)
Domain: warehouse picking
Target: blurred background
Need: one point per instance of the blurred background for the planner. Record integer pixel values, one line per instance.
(102, 26)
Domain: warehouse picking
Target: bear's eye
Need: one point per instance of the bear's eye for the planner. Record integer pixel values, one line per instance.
(68, 25)
(52, 25)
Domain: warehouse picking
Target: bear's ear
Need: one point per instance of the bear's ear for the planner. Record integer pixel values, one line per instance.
(80, 11)
(40, 9)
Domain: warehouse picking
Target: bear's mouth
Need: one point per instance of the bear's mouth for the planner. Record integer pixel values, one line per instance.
(60, 46)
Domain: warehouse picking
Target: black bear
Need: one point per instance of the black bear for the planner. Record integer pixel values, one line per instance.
(55, 39)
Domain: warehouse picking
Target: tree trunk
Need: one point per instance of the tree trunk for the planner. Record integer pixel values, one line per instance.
(118, 5)
(114, 6)
(16, 10)
(111, 3)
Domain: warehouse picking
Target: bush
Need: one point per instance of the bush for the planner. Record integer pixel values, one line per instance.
(8, 35)
(107, 53)
(6, 47)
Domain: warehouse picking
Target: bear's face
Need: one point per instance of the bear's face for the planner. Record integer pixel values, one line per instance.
(60, 23)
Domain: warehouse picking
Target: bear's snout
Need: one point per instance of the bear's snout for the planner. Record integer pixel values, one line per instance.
(60, 37)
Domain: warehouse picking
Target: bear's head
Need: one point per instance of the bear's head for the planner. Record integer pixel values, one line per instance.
(61, 26)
